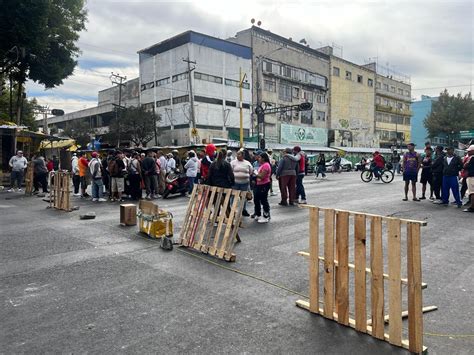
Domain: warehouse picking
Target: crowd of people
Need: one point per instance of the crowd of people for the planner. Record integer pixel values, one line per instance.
(118, 175)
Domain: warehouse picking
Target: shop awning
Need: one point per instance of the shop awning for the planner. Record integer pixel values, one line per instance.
(66, 143)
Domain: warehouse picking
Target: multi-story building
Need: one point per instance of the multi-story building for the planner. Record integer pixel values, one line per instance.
(193, 81)
(99, 117)
(419, 134)
(392, 107)
(287, 73)
(351, 103)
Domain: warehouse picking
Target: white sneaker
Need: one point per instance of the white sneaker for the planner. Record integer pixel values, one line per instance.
(77, 195)
(10, 190)
(272, 194)
(19, 190)
(302, 202)
(95, 199)
(102, 200)
(262, 219)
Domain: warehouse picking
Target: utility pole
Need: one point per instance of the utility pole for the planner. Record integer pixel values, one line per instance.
(191, 96)
(118, 80)
(241, 84)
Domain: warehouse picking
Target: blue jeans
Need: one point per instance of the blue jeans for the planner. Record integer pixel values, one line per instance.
(320, 170)
(450, 183)
(97, 188)
(16, 176)
(191, 182)
(242, 187)
(299, 187)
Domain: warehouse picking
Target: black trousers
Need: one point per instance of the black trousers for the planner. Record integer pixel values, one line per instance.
(76, 181)
(261, 200)
(437, 183)
(134, 188)
(40, 179)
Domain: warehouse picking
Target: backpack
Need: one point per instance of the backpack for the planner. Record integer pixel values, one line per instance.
(113, 168)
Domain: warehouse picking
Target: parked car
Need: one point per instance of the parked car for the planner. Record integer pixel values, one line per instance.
(346, 165)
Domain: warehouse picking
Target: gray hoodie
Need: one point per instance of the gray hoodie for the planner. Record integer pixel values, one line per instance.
(287, 166)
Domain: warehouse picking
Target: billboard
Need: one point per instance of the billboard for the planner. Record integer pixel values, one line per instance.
(303, 135)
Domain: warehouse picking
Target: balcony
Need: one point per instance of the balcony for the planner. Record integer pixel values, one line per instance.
(384, 108)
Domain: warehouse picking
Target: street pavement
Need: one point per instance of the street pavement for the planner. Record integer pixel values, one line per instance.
(73, 286)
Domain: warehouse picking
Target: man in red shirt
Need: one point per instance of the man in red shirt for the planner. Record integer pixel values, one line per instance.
(379, 164)
(83, 164)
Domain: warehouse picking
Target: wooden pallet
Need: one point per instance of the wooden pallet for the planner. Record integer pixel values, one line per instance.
(60, 191)
(369, 231)
(212, 221)
(29, 178)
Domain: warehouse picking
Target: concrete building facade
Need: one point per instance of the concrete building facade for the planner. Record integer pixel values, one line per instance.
(419, 134)
(286, 73)
(170, 85)
(351, 104)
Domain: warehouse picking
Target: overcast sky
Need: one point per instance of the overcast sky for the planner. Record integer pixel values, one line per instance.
(431, 41)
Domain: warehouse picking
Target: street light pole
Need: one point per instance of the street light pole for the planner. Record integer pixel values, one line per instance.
(241, 84)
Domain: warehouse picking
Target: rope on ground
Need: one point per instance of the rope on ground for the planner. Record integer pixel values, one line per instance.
(255, 277)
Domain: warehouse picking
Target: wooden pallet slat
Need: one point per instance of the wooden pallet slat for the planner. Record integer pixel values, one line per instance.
(236, 226)
(377, 284)
(394, 282)
(205, 219)
(360, 274)
(329, 264)
(225, 239)
(342, 271)
(314, 261)
(214, 214)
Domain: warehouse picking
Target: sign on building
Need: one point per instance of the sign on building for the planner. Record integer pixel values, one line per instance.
(303, 135)
(466, 134)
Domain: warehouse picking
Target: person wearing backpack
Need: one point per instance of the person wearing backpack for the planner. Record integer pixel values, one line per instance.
(116, 170)
(97, 186)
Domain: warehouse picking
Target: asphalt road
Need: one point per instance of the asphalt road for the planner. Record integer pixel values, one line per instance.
(74, 286)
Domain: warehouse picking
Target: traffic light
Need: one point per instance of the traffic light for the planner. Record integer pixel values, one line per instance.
(56, 112)
(260, 114)
(262, 144)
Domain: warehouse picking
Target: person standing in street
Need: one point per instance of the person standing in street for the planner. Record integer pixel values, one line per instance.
(135, 177)
(220, 172)
(426, 174)
(273, 164)
(242, 171)
(76, 179)
(395, 160)
(18, 164)
(162, 176)
(469, 167)
(321, 166)
(97, 184)
(40, 175)
(171, 164)
(191, 168)
(116, 169)
(411, 166)
(261, 189)
(286, 175)
(300, 173)
(207, 161)
(437, 172)
(452, 165)
(83, 163)
(150, 176)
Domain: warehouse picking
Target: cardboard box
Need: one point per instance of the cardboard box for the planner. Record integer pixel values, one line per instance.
(128, 215)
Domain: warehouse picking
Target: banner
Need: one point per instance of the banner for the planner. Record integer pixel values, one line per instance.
(303, 135)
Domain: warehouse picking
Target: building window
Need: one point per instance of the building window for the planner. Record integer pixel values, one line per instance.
(269, 85)
(379, 85)
(161, 103)
(348, 75)
(284, 92)
(267, 66)
(287, 72)
(210, 78)
(335, 71)
(360, 79)
(163, 81)
(400, 91)
(143, 87)
(180, 99)
(399, 105)
(386, 102)
(370, 82)
(296, 92)
(208, 100)
(179, 77)
(148, 106)
(407, 93)
(230, 82)
(392, 88)
(407, 121)
(231, 103)
(385, 87)
(150, 85)
(308, 96)
(321, 99)
(247, 106)
(321, 115)
(307, 117)
(377, 100)
(407, 107)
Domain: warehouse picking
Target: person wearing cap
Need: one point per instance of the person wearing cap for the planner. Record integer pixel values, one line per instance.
(76, 179)
(411, 165)
(171, 164)
(97, 185)
(286, 175)
(437, 172)
(176, 158)
(18, 164)
(452, 165)
(162, 175)
(300, 157)
(469, 167)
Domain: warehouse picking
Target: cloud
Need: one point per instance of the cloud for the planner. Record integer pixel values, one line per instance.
(432, 42)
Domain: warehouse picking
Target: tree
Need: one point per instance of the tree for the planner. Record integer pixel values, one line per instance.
(38, 37)
(450, 114)
(79, 130)
(136, 124)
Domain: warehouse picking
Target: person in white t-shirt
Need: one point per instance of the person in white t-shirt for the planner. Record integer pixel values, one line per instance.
(18, 164)
(242, 171)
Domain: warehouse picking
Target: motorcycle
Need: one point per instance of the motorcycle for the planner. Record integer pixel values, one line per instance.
(176, 183)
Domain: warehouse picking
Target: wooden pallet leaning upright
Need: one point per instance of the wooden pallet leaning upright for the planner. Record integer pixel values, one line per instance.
(337, 233)
(60, 191)
(212, 221)
(29, 178)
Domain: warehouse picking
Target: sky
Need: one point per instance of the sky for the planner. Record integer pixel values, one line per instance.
(430, 41)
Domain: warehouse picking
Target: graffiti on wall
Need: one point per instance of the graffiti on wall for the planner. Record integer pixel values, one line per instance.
(355, 132)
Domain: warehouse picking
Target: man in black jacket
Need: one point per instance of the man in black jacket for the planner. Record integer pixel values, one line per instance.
(437, 171)
(469, 166)
(452, 165)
